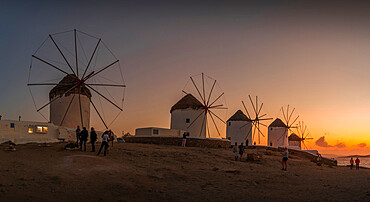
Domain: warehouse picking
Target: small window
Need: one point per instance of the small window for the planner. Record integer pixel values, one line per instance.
(155, 132)
(30, 130)
(41, 129)
(187, 120)
(229, 123)
(271, 128)
(11, 125)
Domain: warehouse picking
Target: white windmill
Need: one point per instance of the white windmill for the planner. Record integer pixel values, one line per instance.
(278, 131)
(200, 111)
(76, 69)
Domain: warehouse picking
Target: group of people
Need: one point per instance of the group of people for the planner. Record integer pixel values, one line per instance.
(357, 161)
(238, 151)
(83, 135)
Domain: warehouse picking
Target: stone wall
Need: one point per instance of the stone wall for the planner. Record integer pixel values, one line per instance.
(190, 142)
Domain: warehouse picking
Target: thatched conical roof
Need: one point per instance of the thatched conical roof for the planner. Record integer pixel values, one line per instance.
(65, 84)
(188, 101)
(294, 137)
(239, 116)
(278, 123)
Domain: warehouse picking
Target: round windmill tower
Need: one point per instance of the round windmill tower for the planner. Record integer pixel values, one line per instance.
(73, 107)
(294, 141)
(278, 131)
(238, 127)
(277, 134)
(199, 112)
(186, 111)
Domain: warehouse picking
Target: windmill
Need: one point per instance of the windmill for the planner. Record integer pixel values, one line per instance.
(202, 107)
(303, 133)
(78, 70)
(256, 121)
(287, 117)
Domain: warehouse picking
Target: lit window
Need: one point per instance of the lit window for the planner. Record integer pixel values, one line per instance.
(30, 130)
(39, 129)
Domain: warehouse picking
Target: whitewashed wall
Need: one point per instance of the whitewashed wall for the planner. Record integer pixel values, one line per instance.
(161, 132)
(59, 107)
(20, 134)
(235, 132)
(275, 136)
(178, 121)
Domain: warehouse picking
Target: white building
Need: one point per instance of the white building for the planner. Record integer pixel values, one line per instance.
(154, 131)
(185, 112)
(237, 129)
(277, 134)
(294, 141)
(58, 108)
(21, 132)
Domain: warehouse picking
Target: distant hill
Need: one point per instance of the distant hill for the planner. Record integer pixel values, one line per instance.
(360, 156)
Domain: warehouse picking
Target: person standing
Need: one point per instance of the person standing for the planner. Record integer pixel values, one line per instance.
(78, 134)
(247, 143)
(104, 143)
(235, 150)
(93, 138)
(285, 159)
(184, 139)
(357, 161)
(351, 162)
(83, 138)
(111, 136)
(241, 151)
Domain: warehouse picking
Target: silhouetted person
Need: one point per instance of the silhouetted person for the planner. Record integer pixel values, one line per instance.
(247, 143)
(235, 150)
(184, 139)
(104, 143)
(77, 134)
(285, 158)
(357, 161)
(93, 138)
(83, 138)
(351, 162)
(111, 136)
(241, 151)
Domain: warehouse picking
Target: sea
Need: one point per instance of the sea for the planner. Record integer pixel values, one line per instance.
(344, 161)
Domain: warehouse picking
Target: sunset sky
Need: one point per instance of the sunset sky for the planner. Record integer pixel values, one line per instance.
(312, 56)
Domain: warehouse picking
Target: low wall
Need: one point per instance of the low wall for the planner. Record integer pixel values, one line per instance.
(190, 142)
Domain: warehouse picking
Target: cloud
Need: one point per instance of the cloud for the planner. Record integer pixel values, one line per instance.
(340, 145)
(321, 142)
(361, 145)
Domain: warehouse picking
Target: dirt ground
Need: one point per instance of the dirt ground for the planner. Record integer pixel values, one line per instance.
(139, 172)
